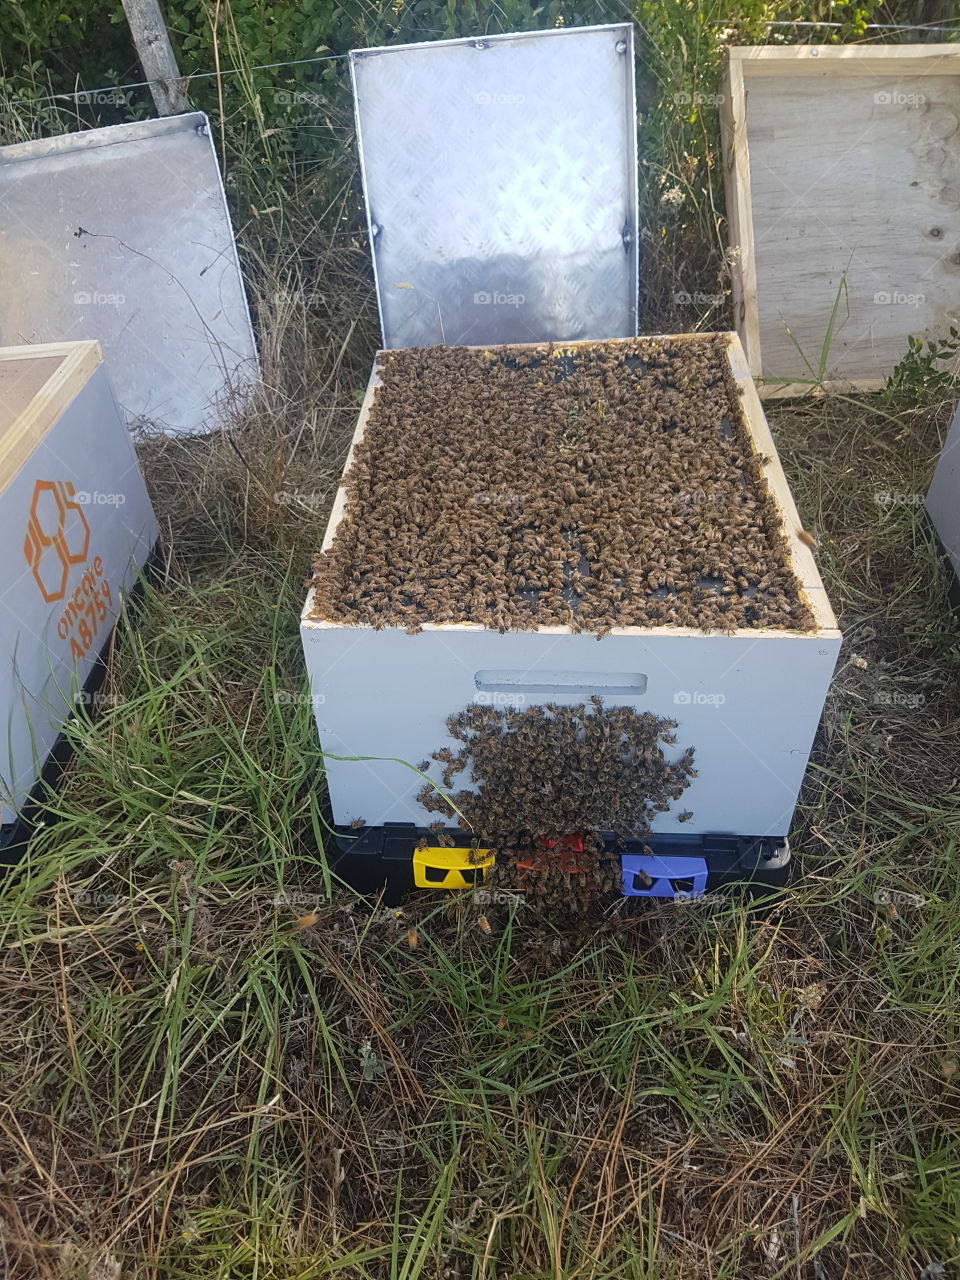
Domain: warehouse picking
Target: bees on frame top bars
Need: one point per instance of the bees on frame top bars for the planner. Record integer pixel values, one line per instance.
(602, 485)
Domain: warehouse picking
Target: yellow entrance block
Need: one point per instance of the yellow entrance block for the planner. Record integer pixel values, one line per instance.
(440, 868)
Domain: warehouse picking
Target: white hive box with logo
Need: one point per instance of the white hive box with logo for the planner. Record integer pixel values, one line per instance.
(76, 526)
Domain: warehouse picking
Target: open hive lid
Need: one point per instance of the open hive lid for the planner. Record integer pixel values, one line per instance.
(501, 185)
(122, 234)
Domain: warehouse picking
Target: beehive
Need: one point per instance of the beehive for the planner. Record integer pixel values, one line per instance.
(76, 525)
(943, 498)
(744, 680)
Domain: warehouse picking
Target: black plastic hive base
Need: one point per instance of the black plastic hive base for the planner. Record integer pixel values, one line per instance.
(375, 859)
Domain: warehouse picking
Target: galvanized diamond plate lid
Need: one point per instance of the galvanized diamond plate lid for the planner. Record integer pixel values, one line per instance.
(123, 234)
(501, 183)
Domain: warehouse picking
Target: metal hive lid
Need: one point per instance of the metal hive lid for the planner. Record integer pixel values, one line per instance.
(123, 234)
(500, 177)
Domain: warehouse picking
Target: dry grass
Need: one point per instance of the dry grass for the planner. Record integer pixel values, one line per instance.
(276, 470)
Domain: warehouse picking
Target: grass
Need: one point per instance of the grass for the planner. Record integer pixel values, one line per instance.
(194, 1087)
(216, 1064)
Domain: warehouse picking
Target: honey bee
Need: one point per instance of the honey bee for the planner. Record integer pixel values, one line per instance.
(806, 538)
(484, 925)
(304, 922)
(413, 938)
(685, 816)
(358, 822)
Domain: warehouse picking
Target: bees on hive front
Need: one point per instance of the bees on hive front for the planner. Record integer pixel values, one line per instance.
(592, 487)
(549, 780)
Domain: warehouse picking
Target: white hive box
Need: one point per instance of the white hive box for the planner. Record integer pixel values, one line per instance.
(748, 702)
(943, 499)
(76, 525)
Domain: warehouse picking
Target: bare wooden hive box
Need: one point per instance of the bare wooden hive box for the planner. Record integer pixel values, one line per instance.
(76, 525)
(842, 171)
(747, 698)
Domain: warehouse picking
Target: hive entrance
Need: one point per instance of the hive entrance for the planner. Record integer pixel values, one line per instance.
(602, 485)
(548, 781)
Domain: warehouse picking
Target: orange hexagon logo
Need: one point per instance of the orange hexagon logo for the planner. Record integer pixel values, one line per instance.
(58, 536)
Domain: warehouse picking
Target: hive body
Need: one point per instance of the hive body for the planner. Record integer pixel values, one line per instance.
(943, 499)
(840, 166)
(76, 525)
(746, 699)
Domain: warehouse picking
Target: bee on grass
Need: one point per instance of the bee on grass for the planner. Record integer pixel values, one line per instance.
(304, 922)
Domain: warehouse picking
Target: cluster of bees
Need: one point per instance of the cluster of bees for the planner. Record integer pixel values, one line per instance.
(548, 772)
(610, 484)
(550, 885)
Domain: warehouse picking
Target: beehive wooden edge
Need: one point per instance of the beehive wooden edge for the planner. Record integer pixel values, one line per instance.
(800, 556)
(78, 360)
(744, 61)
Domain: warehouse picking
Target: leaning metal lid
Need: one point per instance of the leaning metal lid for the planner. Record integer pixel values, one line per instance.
(123, 234)
(501, 184)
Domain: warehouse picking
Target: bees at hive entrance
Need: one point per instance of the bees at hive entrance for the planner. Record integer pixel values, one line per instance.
(598, 486)
(547, 780)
